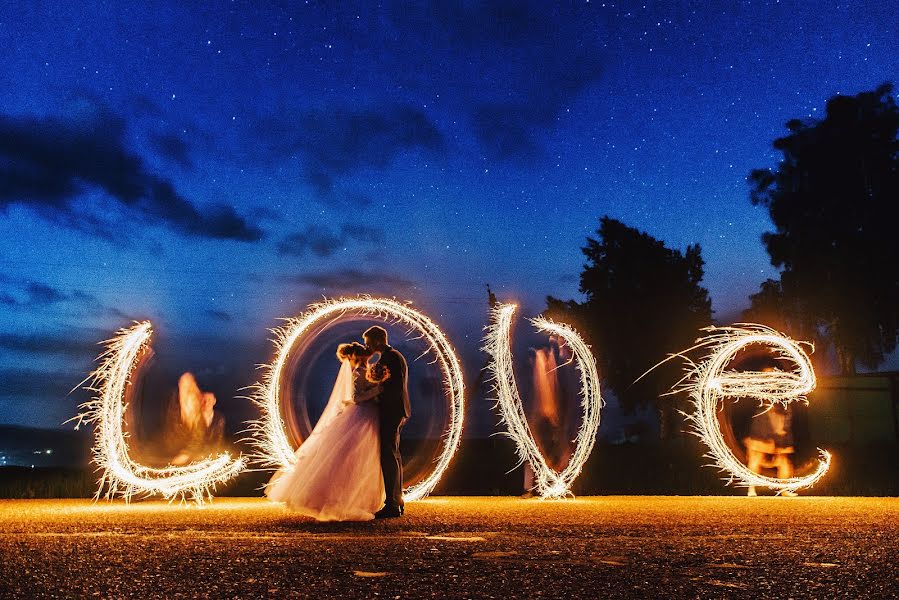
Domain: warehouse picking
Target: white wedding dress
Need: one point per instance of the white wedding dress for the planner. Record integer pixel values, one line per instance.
(336, 474)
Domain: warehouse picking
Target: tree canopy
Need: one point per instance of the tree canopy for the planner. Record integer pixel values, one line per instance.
(833, 200)
(643, 301)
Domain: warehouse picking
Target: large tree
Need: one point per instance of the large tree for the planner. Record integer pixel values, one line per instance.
(643, 300)
(833, 200)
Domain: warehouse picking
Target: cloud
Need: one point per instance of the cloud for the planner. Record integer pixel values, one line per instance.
(219, 315)
(324, 242)
(265, 213)
(78, 343)
(352, 280)
(172, 147)
(505, 70)
(34, 383)
(337, 142)
(40, 294)
(515, 64)
(357, 199)
(509, 129)
(143, 106)
(32, 294)
(46, 163)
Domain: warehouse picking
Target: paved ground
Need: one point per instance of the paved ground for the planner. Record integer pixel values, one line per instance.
(457, 547)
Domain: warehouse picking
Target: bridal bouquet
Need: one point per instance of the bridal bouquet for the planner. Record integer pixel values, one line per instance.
(377, 374)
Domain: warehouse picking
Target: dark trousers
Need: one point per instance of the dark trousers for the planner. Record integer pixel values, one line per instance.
(391, 461)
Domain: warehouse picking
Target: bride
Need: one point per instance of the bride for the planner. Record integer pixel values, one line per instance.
(336, 474)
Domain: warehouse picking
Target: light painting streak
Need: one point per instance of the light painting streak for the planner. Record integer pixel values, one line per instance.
(708, 384)
(121, 476)
(498, 344)
(268, 433)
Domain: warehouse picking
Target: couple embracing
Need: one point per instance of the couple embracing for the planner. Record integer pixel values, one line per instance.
(350, 468)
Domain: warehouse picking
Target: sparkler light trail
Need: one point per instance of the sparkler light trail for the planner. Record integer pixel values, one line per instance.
(708, 384)
(268, 433)
(498, 344)
(121, 476)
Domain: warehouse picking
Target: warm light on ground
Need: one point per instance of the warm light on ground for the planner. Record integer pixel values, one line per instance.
(451, 547)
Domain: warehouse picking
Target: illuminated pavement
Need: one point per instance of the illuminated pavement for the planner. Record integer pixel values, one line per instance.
(457, 547)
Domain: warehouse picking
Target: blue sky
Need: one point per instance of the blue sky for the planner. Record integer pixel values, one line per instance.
(216, 168)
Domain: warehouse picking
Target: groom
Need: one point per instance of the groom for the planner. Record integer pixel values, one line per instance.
(393, 408)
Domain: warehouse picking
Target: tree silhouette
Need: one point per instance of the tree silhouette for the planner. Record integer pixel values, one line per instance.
(832, 200)
(774, 308)
(643, 301)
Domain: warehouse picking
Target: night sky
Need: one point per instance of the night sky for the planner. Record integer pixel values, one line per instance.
(214, 169)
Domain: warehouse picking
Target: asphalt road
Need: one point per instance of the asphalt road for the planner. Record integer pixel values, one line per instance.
(598, 547)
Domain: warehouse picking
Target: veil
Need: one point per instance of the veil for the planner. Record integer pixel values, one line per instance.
(341, 395)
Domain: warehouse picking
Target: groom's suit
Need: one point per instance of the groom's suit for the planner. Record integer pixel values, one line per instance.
(394, 409)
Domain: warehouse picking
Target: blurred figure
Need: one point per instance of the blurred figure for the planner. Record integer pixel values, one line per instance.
(200, 430)
(546, 387)
(770, 443)
(550, 419)
(569, 400)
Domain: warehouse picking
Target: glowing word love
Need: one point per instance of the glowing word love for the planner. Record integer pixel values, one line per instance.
(269, 435)
(709, 383)
(549, 483)
(120, 475)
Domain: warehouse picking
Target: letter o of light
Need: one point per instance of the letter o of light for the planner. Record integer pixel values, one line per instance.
(268, 432)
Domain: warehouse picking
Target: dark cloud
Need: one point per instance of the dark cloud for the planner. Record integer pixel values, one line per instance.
(47, 163)
(338, 142)
(79, 343)
(219, 315)
(363, 233)
(172, 147)
(508, 70)
(40, 294)
(40, 384)
(508, 130)
(143, 106)
(32, 294)
(219, 221)
(516, 64)
(352, 280)
(323, 242)
(357, 199)
(265, 213)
